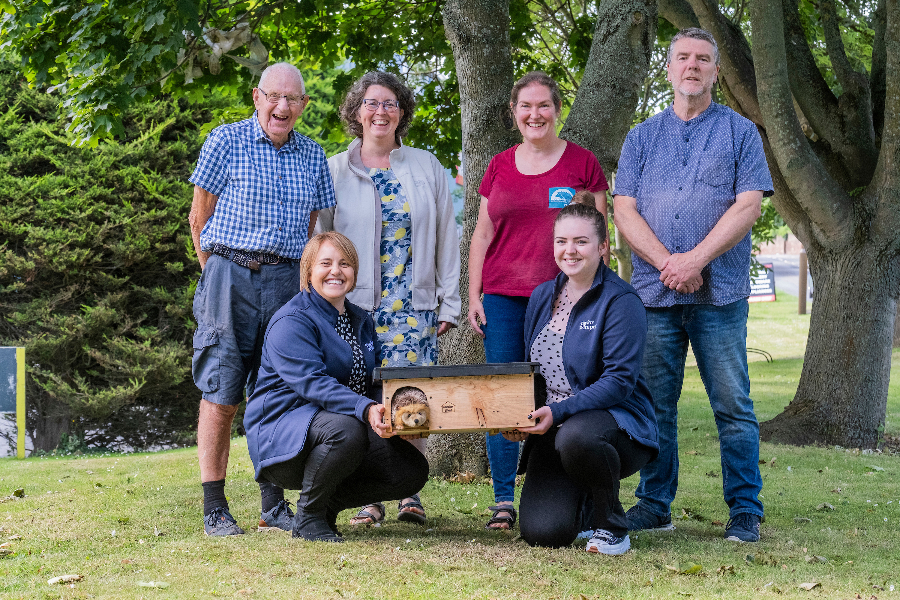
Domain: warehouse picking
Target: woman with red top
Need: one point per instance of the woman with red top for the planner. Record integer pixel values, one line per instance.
(523, 190)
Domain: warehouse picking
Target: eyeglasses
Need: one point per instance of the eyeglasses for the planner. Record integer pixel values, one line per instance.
(389, 105)
(274, 98)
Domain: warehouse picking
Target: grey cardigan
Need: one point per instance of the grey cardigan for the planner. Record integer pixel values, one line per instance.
(435, 243)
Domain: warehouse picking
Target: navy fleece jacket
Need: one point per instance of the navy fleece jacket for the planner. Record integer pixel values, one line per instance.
(603, 350)
(305, 368)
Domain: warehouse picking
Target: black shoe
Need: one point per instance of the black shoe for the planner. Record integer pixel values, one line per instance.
(313, 528)
(279, 518)
(220, 523)
(742, 527)
(641, 519)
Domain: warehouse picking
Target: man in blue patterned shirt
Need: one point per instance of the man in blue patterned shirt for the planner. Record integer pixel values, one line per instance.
(258, 187)
(689, 187)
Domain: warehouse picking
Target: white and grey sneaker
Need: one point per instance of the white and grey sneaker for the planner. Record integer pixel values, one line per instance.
(604, 542)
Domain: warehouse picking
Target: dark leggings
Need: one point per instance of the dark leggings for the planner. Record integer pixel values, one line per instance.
(571, 467)
(344, 464)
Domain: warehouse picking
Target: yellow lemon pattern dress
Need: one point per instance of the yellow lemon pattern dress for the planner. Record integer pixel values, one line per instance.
(407, 336)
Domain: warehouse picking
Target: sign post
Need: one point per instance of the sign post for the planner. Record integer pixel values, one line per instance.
(762, 286)
(12, 391)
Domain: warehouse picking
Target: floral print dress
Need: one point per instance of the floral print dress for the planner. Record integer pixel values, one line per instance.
(407, 336)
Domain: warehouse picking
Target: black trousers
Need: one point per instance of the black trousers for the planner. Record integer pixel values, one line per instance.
(344, 464)
(572, 467)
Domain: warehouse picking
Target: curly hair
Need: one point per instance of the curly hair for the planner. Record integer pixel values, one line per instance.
(357, 92)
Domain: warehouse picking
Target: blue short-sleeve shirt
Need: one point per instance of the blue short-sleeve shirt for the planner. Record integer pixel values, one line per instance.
(685, 175)
(265, 194)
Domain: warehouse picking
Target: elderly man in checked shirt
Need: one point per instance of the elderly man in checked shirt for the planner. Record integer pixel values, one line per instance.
(689, 187)
(258, 187)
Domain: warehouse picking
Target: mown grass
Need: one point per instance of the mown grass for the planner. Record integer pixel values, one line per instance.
(123, 521)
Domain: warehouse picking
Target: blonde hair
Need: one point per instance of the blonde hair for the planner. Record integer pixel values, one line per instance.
(311, 252)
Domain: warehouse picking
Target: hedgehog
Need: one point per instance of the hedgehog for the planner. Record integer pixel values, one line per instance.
(409, 406)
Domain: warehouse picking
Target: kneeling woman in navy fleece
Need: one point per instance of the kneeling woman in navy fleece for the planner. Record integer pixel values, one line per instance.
(587, 329)
(314, 421)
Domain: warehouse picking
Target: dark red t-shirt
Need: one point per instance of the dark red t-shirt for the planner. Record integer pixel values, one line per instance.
(522, 209)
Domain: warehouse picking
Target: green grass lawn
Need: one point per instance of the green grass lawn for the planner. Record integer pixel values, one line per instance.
(126, 523)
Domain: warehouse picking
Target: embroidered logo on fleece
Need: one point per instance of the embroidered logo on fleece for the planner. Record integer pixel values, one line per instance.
(587, 325)
(560, 196)
(370, 346)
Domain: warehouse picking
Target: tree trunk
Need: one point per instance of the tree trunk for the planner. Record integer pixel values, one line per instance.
(842, 396)
(478, 32)
(622, 253)
(45, 420)
(897, 327)
(601, 115)
(624, 37)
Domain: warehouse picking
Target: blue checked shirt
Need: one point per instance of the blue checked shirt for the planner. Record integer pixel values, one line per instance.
(265, 195)
(685, 175)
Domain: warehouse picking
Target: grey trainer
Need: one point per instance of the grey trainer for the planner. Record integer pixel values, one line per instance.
(220, 523)
(641, 519)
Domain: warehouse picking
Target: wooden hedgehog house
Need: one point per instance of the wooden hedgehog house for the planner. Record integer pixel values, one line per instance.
(461, 398)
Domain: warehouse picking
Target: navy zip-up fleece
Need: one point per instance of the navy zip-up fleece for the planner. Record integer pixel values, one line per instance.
(602, 353)
(305, 368)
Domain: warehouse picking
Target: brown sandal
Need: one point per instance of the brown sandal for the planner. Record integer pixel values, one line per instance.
(509, 520)
(370, 518)
(405, 514)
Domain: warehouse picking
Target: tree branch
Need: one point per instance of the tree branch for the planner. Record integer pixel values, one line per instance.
(624, 37)
(784, 201)
(827, 206)
(834, 45)
(849, 135)
(856, 100)
(679, 13)
(736, 62)
(879, 61)
(887, 217)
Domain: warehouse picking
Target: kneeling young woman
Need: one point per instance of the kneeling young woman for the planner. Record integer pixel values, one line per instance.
(587, 328)
(314, 421)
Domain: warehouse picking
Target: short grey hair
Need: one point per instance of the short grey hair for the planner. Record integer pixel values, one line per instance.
(282, 66)
(694, 33)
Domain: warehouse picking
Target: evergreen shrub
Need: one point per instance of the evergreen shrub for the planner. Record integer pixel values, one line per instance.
(97, 271)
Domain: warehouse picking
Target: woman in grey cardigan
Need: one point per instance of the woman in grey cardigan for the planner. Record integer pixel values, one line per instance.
(394, 203)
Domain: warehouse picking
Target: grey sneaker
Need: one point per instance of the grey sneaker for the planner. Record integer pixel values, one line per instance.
(604, 542)
(742, 527)
(641, 519)
(280, 518)
(220, 522)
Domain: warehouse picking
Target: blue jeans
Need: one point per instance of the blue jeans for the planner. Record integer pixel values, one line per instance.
(718, 337)
(504, 341)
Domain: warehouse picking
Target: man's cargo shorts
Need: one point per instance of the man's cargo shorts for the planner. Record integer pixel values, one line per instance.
(232, 306)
